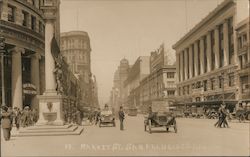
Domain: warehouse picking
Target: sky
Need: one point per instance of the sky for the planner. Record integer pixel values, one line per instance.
(128, 29)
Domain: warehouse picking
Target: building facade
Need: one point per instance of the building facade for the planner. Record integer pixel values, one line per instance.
(117, 95)
(159, 85)
(207, 61)
(139, 70)
(75, 47)
(22, 27)
(243, 39)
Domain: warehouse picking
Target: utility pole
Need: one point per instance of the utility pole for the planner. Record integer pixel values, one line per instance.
(2, 51)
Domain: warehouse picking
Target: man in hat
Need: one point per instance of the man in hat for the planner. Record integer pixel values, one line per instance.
(6, 123)
(121, 117)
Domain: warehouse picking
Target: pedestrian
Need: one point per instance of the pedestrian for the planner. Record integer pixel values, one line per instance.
(17, 117)
(6, 123)
(224, 114)
(217, 124)
(78, 117)
(98, 116)
(121, 117)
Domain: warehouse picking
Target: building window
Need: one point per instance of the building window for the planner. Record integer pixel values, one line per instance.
(25, 18)
(188, 63)
(193, 60)
(179, 72)
(183, 90)
(197, 99)
(33, 23)
(170, 74)
(221, 46)
(205, 54)
(199, 57)
(40, 27)
(183, 67)
(11, 13)
(231, 40)
(231, 80)
(198, 85)
(212, 84)
(220, 81)
(188, 89)
(212, 50)
(179, 91)
(171, 93)
(205, 85)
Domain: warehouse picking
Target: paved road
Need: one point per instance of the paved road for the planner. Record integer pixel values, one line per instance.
(194, 137)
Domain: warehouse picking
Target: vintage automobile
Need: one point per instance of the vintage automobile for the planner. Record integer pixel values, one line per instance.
(160, 119)
(106, 118)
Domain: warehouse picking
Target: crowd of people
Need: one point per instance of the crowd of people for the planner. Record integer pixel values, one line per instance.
(16, 117)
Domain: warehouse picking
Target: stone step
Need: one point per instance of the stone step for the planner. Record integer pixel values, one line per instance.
(75, 130)
(72, 128)
(36, 127)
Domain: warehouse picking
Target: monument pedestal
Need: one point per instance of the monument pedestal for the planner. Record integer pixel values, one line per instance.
(51, 109)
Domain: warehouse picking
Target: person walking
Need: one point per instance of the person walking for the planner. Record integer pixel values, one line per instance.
(6, 123)
(17, 119)
(98, 116)
(121, 118)
(217, 124)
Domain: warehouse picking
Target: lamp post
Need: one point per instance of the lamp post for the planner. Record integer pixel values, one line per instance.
(2, 51)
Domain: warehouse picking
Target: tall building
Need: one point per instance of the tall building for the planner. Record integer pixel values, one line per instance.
(117, 92)
(22, 65)
(207, 61)
(138, 71)
(75, 47)
(243, 40)
(159, 85)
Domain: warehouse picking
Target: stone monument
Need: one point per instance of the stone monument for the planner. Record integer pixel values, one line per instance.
(51, 102)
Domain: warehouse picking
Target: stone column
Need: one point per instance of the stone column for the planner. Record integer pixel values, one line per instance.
(196, 62)
(226, 45)
(190, 62)
(202, 66)
(50, 85)
(17, 85)
(209, 52)
(177, 66)
(217, 50)
(186, 63)
(181, 67)
(4, 10)
(35, 78)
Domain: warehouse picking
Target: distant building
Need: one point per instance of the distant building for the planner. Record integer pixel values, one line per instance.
(207, 59)
(159, 85)
(117, 92)
(75, 47)
(138, 71)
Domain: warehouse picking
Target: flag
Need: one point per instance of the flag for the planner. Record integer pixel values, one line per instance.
(55, 50)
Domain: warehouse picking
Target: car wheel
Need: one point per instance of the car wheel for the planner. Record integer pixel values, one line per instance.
(167, 128)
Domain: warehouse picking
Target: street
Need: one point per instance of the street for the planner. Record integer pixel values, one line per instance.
(194, 137)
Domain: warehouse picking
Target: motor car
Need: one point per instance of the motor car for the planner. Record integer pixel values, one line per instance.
(160, 119)
(107, 118)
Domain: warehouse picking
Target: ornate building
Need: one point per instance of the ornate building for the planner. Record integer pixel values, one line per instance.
(75, 47)
(22, 27)
(243, 39)
(207, 59)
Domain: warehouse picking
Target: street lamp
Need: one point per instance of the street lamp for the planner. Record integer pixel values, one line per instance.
(2, 51)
